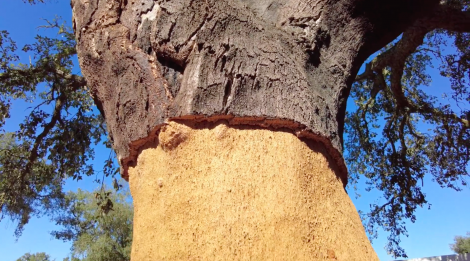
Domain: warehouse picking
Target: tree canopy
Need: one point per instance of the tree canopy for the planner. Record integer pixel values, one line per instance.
(97, 233)
(397, 132)
(461, 244)
(400, 132)
(56, 139)
(35, 257)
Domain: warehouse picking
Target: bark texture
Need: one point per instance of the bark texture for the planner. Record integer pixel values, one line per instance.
(210, 191)
(270, 63)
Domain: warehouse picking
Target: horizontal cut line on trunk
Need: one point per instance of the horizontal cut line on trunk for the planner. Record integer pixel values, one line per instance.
(274, 124)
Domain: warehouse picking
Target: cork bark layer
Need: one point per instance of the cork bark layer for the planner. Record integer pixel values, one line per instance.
(210, 191)
(264, 62)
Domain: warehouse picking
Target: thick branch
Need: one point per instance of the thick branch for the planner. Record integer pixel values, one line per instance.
(39, 139)
(426, 109)
(395, 58)
(444, 17)
(19, 77)
(448, 18)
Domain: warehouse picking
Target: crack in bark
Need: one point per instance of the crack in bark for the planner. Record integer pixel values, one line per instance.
(227, 93)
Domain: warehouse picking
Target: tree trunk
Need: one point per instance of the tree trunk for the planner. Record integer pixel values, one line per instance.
(229, 114)
(209, 191)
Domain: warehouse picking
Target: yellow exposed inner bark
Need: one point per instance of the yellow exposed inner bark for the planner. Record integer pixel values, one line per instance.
(215, 192)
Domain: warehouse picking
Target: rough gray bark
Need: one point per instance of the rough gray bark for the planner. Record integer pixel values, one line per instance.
(282, 64)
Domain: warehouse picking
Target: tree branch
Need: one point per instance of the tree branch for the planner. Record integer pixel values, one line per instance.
(19, 77)
(444, 17)
(47, 128)
(426, 109)
(448, 18)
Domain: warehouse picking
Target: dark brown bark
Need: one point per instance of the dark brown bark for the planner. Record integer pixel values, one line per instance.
(282, 64)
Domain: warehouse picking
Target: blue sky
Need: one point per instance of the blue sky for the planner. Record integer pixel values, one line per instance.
(431, 235)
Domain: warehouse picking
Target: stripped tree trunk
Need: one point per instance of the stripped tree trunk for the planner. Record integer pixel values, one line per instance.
(227, 118)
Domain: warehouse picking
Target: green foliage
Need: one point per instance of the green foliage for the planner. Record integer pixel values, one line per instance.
(55, 140)
(399, 133)
(35, 257)
(461, 244)
(71, 259)
(96, 234)
(98, 223)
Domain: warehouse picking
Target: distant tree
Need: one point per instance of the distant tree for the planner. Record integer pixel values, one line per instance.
(71, 259)
(35, 257)
(461, 244)
(98, 223)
